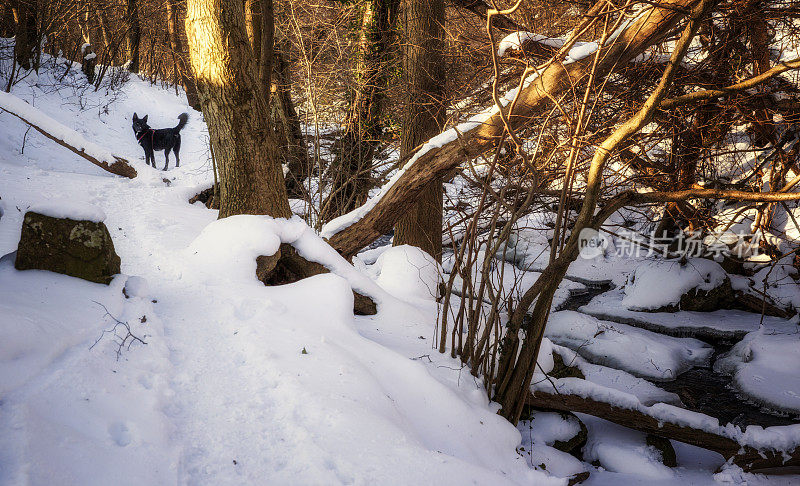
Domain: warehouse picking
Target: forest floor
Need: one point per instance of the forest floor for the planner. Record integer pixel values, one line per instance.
(239, 383)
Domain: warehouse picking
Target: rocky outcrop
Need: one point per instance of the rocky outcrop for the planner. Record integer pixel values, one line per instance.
(79, 248)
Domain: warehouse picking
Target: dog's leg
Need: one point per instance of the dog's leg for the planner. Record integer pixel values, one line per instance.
(175, 149)
(166, 156)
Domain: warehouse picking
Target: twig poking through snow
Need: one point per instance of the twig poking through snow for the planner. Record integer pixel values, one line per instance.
(123, 341)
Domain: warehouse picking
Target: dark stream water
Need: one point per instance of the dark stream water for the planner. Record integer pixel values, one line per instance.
(701, 389)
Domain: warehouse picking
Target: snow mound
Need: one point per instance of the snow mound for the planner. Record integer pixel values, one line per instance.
(623, 450)
(764, 367)
(656, 284)
(724, 323)
(226, 251)
(408, 272)
(69, 209)
(604, 377)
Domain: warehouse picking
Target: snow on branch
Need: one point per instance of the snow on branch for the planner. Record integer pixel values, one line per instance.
(66, 137)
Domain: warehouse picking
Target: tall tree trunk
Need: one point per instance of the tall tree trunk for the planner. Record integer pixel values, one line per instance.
(349, 174)
(424, 117)
(292, 144)
(133, 35)
(7, 23)
(269, 60)
(260, 32)
(88, 55)
(235, 108)
(26, 32)
(176, 44)
(102, 21)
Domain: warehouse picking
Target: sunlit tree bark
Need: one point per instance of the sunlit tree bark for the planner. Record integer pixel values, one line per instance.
(184, 77)
(235, 109)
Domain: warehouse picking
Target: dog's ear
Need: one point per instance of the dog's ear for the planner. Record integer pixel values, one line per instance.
(144, 118)
(134, 116)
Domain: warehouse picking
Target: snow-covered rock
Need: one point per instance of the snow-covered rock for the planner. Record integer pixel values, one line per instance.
(764, 368)
(696, 284)
(639, 352)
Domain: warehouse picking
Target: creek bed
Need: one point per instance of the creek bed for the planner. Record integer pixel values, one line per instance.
(701, 389)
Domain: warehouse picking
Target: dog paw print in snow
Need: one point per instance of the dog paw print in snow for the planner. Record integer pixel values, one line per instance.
(120, 433)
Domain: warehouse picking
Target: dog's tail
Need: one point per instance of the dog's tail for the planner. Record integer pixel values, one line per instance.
(183, 118)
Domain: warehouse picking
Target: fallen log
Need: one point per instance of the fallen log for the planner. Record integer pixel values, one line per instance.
(746, 457)
(65, 136)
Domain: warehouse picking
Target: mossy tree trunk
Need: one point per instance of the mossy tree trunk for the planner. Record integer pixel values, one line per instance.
(349, 174)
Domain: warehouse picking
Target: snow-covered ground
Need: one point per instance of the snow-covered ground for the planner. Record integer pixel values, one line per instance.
(239, 383)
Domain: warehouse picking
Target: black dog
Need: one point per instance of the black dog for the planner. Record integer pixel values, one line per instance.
(165, 139)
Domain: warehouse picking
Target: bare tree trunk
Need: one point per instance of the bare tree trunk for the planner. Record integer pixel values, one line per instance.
(269, 60)
(26, 32)
(7, 24)
(176, 44)
(287, 124)
(133, 35)
(261, 32)
(350, 171)
(88, 56)
(102, 21)
(234, 106)
(424, 117)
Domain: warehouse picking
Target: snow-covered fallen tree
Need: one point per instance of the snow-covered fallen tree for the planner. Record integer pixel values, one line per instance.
(65, 136)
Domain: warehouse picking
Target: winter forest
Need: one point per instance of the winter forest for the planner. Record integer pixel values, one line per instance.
(400, 242)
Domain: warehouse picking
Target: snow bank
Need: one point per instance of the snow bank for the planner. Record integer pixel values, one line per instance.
(623, 450)
(659, 283)
(539, 433)
(644, 391)
(68, 209)
(781, 285)
(72, 411)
